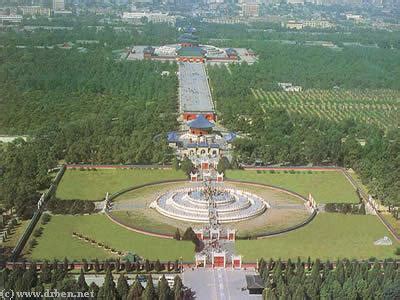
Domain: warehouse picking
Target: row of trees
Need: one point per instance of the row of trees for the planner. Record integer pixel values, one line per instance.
(346, 208)
(348, 280)
(20, 280)
(275, 136)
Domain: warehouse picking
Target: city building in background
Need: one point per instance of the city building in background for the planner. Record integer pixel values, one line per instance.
(35, 10)
(58, 4)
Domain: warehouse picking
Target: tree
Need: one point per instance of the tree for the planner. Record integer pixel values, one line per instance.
(163, 289)
(94, 289)
(299, 293)
(82, 285)
(157, 266)
(190, 235)
(29, 279)
(108, 290)
(147, 266)
(136, 290)
(339, 272)
(177, 235)
(45, 274)
(223, 165)
(269, 294)
(149, 292)
(187, 166)
(178, 288)
(392, 291)
(122, 287)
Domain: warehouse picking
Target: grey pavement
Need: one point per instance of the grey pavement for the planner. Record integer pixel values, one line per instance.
(218, 284)
(194, 92)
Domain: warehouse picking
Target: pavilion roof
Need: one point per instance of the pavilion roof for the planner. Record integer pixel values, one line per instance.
(201, 123)
(191, 51)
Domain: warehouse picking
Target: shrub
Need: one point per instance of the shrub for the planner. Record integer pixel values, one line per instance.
(71, 207)
(397, 251)
(177, 235)
(46, 218)
(38, 232)
(346, 208)
(32, 243)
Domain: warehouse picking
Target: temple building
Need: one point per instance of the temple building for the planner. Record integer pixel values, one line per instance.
(188, 49)
(200, 126)
(148, 52)
(199, 142)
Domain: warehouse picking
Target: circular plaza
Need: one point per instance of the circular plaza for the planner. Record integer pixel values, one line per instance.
(252, 209)
(194, 204)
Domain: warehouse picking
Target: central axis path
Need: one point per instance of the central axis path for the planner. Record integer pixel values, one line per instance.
(194, 91)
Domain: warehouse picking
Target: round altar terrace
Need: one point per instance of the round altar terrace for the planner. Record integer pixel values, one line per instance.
(198, 203)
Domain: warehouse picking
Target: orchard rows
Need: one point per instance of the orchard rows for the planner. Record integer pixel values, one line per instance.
(381, 107)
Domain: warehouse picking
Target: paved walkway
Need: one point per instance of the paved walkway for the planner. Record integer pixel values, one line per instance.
(218, 284)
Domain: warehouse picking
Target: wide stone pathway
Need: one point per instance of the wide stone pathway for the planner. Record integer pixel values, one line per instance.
(218, 284)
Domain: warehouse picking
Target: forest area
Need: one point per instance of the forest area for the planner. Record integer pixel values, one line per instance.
(273, 136)
(79, 107)
(109, 37)
(316, 67)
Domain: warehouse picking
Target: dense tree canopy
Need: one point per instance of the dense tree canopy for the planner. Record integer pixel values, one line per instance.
(275, 136)
(80, 108)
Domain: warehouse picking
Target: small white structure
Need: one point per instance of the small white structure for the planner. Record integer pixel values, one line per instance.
(201, 260)
(311, 204)
(106, 200)
(215, 234)
(385, 241)
(199, 233)
(194, 177)
(289, 87)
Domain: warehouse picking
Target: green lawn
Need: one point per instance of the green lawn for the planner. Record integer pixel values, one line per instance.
(93, 185)
(57, 240)
(329, 235)
(328, 186)
(138, 219)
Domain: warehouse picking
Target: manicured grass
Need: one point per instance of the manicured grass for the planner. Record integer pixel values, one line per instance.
(328, 236)
(93, 185)
(57, 241)
(328, 186)
(138, 219)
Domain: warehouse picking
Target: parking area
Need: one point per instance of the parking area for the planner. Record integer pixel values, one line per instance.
(218, 284)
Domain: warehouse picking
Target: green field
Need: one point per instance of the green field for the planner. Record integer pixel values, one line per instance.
(325, 186)
(328, 236)
(57, 241)
(93, 185)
